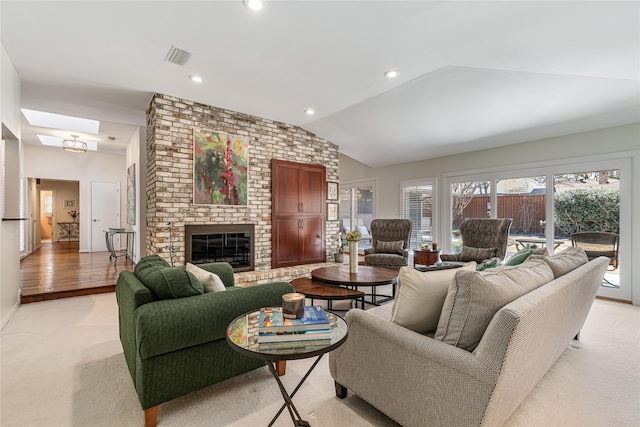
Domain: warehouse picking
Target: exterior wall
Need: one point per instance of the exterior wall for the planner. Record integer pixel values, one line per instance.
(170, 125)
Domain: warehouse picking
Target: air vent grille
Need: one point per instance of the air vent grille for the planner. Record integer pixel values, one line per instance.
(178, 56)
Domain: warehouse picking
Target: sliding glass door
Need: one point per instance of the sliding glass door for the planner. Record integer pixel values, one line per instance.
(549, 205)
(469, 199)
(586, 212)
(357, 209)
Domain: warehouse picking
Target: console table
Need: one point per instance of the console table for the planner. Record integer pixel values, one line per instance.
(69, 230)
(109, 233)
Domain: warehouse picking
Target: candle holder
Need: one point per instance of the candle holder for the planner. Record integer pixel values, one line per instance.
(293, 305)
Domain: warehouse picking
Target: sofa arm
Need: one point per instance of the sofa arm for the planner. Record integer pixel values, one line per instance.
(170, 325)
(379, 331)
(222, 270)
(369, 251)
(394, 368)
(130, 294)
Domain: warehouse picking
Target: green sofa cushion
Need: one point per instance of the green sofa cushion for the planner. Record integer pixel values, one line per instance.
(167, 282)
(520, 256)
(492, 263)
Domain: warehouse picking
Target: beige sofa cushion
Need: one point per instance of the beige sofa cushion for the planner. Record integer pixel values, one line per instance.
(475, 296)
(567, 260)
(420, 296)
(210, 281)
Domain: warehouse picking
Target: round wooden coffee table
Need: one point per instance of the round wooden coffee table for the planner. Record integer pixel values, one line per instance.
(366, 276)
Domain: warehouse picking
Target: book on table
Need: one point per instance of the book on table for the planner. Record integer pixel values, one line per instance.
(294, 344)
(271, 320)
(316, 334)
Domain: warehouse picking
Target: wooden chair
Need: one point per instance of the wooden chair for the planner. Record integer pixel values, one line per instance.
(596, 244)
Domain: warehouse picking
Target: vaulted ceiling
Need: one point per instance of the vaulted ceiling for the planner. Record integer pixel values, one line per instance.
(472, 75)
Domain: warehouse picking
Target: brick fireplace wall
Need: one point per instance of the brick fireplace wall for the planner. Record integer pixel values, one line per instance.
(169, 192)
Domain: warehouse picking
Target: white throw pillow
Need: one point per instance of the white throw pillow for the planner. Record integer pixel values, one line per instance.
(210, 281)
(420, 296)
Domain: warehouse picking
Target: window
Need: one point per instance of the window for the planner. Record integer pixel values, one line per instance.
(48, 205)
(417, 205)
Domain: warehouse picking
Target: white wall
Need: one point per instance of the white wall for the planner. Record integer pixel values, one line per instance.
(10, 154)
(10, 95)
(55, 163)
(602, 141)
(138, 157)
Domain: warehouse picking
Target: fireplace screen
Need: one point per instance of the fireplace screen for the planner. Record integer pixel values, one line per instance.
(221, 243)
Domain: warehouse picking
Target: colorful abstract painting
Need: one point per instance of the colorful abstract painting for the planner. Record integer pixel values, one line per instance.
(220, 167)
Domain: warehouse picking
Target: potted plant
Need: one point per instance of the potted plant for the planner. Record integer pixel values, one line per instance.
(339, 256)
(424, 246)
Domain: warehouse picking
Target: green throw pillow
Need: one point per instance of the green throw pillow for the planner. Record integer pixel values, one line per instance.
(520, 256)
(492, 263)
(167, 282)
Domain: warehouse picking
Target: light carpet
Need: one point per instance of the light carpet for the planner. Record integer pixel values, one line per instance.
(62, 365)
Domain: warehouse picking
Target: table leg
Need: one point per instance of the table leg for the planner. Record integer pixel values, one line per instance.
(288, 403)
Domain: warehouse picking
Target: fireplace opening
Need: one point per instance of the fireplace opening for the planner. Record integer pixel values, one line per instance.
(232, 243)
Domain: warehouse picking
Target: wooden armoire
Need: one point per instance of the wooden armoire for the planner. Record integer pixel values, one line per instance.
(297, 213)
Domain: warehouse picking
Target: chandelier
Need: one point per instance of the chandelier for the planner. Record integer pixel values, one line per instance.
(74, 145)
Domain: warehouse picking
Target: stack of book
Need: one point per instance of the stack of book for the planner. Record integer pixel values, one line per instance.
(275, 332)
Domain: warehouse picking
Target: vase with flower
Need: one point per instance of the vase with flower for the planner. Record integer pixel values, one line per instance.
(353, 237)
(74, 215)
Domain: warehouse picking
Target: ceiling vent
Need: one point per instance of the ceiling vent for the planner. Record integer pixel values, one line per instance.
(178, 56)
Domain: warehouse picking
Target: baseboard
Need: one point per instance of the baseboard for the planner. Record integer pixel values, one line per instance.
(26, 299)
(9, 315)
(624, 301)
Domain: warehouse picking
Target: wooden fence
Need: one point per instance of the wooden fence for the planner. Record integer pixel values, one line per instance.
(527, 211)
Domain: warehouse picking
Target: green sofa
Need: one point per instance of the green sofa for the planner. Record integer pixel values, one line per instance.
(177, 345)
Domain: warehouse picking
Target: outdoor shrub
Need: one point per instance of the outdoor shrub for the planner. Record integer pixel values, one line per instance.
(587, 210)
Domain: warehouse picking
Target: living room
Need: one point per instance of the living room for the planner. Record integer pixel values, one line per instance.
(597, 137)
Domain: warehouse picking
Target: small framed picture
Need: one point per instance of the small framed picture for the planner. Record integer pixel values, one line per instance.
(332, 190)
(332, 211)
(69, 203)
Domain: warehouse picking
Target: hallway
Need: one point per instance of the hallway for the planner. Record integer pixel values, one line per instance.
(58, 270)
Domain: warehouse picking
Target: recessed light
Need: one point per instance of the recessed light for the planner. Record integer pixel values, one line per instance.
(254, 5)
(391, 74)
(196, 79)
(309, 111)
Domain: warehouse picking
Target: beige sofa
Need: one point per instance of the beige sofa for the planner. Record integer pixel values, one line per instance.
(418, 380)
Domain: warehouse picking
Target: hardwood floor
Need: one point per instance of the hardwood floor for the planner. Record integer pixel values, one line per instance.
(58, 270)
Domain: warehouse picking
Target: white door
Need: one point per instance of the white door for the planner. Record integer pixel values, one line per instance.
(105, 213)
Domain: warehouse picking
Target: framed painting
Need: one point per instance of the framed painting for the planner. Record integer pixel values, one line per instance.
(131, 194)
(220, 168)
(69, 203)
(332, 190)
(332, 211)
